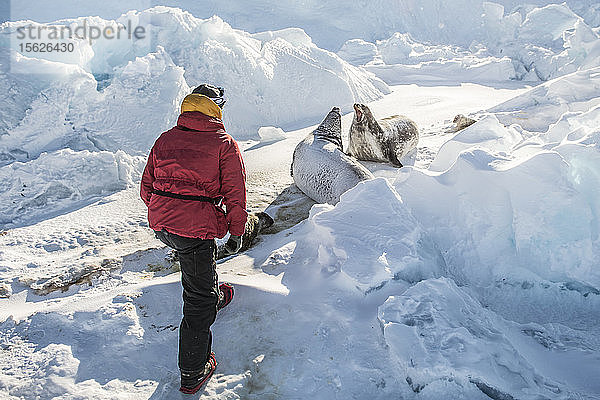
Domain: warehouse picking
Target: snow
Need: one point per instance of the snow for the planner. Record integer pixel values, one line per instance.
(539, 108)
(497, 25)
(256, 66)
(516, 210)
(270, 134)
(470, 273)
(57, 180)
(68, 112)
(436, 322)
(544, 43)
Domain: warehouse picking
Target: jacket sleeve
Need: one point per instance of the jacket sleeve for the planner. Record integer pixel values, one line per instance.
(233, 187)
(148, 179)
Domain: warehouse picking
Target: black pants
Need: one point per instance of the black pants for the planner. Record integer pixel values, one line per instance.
(200, 297)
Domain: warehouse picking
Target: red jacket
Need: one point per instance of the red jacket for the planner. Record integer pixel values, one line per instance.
(196, 157)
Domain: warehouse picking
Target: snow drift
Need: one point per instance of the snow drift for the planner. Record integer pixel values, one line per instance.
(543, 40)
(67, 110)
(480, 275)
(277, 67)
(521, 207)
(62, 180)
(379, 291)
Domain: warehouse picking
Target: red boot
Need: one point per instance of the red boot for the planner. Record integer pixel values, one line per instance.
(225, 295)
(191, 382)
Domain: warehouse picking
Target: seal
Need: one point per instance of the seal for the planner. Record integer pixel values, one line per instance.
(462, 122)
(320, 168)
(255, 223)
(384, 140)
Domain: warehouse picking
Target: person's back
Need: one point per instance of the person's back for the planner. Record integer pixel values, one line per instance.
(193, 169)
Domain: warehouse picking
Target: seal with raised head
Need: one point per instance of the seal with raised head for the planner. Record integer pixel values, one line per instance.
(385, 140)
(320, 168)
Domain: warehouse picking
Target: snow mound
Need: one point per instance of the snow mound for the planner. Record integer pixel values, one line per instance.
(401, 59)
(444, 335)
(436, 337)
(67, 111)
(487, 133)
(269, 134)
(359, 52)
(540, 44)
(520, 211)
(61, 180)
(371, 243)
(64, 352)
(277, 67)
(493, 228)
(339, 265)
(545, 43)
(34, 116)
(538, 108)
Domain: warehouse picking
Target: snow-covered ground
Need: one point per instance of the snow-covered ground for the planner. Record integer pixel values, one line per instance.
(471, 273)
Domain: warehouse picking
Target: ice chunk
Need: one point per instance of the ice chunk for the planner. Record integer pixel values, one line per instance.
(270, 134)
(542, 105)
(487, 133)
(358, 52)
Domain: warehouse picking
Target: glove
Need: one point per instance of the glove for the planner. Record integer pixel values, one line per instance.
(233, 245)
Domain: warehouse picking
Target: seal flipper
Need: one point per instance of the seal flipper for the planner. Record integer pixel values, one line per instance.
(330, 128)
(393, 157)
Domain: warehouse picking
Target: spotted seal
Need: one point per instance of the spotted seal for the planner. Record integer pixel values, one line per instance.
(320, 168)
(462, 122)
(384, 140)
(255, 223)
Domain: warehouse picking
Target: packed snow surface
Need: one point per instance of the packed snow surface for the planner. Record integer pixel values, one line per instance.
(470, 273)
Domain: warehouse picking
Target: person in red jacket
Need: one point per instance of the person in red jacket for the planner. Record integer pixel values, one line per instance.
(193, 170)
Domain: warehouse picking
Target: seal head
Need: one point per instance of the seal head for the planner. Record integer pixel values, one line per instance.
(331, 128)
(385, 140)
(264, 221)
(364, 120)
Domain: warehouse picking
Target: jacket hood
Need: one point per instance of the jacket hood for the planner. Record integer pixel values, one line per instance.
(198, 121)
(201, 103)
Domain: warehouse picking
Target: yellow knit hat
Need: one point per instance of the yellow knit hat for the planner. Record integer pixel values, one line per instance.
(201, 103)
